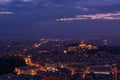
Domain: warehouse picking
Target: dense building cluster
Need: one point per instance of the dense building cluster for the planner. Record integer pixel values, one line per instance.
(59, 59)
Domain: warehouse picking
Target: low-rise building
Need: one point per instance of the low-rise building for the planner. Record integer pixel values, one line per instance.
(27, 70)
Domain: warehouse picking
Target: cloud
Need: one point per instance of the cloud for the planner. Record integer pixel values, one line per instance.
(10, 1)
(61, 6)
(102, 16)
(26, 0)
(78, 4)
(5, 1)
(6, 13)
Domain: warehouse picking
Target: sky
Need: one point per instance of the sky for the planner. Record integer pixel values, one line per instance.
(27, 19)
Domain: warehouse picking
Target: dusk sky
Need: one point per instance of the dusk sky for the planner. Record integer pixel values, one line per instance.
(26, 19)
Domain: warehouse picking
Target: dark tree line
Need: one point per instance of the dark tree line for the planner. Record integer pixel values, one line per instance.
(8, 64)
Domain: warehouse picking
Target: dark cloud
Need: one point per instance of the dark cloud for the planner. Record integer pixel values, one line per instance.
(38, 17)
(86, 6)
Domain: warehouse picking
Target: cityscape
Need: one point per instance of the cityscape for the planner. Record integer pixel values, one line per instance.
(59, 40)
(60, 59)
